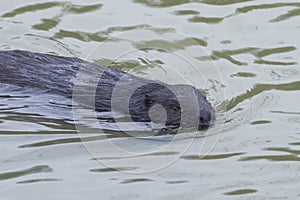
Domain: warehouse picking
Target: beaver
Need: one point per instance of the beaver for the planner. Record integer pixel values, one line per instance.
(57, 75)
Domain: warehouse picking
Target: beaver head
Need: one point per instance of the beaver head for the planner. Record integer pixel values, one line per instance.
(175, 105)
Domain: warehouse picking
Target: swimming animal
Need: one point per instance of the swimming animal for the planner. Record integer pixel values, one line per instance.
(105, 89)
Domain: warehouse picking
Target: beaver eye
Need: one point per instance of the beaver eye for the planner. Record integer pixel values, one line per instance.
(175, 107)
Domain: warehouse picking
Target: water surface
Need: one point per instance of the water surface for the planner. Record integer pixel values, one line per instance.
(254, 47)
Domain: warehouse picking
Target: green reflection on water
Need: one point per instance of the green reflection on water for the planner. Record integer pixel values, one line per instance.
(32, 170)
(261, 122)
(38, 180)
(67, 7)
(259, 53)
(259, 88)
(210, 157)
(240, 192)
(208, 20)
(292, 156)
(264, 6)
(186, 12)
(244, 74)
(134, 180)
(31, 8)
(170, 3)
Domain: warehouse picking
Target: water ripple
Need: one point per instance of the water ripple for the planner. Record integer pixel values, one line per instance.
(71, 8)
(251, 8)
(258, 53)
(241, 192)
(207, 20)
(38, 180)
(135, 180)
(211, 157)
(19, 173)
(259, 88)
(82, 36)
(171, 3)
(293, 155)
(288, 15)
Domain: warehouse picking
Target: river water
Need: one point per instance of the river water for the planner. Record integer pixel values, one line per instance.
(243, 54)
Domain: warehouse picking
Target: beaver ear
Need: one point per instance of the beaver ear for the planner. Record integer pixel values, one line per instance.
(148, 101)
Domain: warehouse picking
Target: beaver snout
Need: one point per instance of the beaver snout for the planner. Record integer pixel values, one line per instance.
(206, 119)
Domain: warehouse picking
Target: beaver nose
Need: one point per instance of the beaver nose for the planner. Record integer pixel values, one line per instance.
(206, 119)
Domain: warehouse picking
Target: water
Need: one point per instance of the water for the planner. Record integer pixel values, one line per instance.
(252, 50)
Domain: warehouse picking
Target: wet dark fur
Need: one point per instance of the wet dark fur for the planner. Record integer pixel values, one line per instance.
(55, 74)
